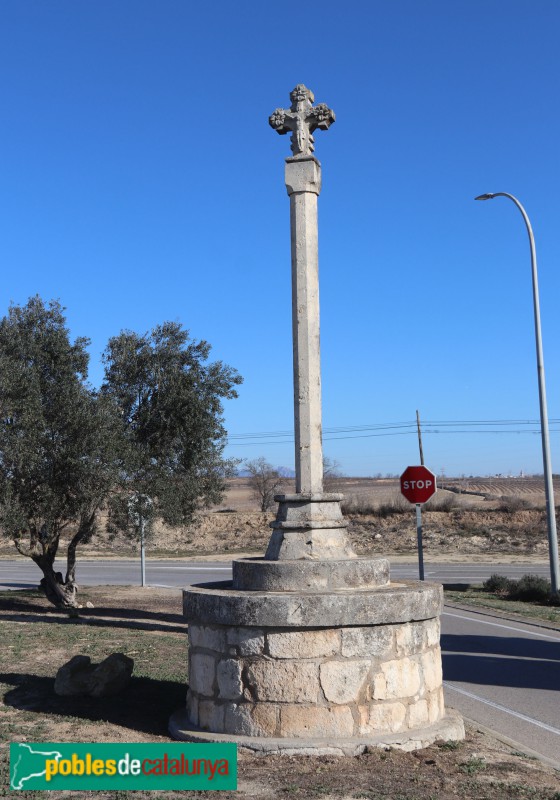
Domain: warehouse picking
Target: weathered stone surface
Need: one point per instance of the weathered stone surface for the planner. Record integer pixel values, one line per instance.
(230, 685)
(219, 604)
(80, 677)
(431, 669)
(301, 119)
(399, 678)
(111, 676)
(436, 707)
(251, 720)
(283, 681)
(417, 636)
(303, 644)
(192, 707)
(449, 728)
(258, 574)
(309, 721)
(205, 637)
(379, 717)
(245, 641)
(342, 681)
(211, 716)
(375, 642)
(418, 714)
(202, 673)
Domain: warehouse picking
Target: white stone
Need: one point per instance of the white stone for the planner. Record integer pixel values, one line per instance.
(303, 181)
(202, 672)
(373, 642)
(211, 716)
(431, 669)
(206, 637)
(380, 717)
(316, 721)
(246, 641)
(418, 714)
(436, 708)
(230, 685)
(342, 681)
(303, 644)
(416, 636)
(400, 678)
(247, 719)
(283, 681)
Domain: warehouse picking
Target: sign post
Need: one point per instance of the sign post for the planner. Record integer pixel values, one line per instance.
(418, 484)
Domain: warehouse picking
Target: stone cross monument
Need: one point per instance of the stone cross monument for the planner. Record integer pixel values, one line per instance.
(312, 649)
(309, 524)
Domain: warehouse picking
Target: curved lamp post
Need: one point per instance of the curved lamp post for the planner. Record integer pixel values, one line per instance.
(549, 490)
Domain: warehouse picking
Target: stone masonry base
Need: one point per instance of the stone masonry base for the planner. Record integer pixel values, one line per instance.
(323, 689)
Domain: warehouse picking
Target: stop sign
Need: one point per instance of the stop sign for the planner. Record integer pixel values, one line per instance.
(418, 484)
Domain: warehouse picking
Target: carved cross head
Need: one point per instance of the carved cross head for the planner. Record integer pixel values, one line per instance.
(301, 119)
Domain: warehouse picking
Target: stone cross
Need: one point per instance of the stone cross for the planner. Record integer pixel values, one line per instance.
(302, 118)
(303, 182)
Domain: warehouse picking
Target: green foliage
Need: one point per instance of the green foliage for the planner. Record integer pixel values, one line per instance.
(58, 439)
(528, 589)
(497, 584)
(170, 402)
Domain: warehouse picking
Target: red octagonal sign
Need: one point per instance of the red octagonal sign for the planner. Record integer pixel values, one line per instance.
(418, 484)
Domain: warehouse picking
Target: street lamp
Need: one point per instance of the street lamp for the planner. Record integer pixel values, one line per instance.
(549, 490)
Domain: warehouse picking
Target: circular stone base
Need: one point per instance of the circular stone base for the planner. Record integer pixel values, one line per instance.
(449, 728)
(260, 575)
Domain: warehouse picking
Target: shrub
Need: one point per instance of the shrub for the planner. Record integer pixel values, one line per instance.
(510, 504)
(532, 589)
(528, 589)
(498, 584)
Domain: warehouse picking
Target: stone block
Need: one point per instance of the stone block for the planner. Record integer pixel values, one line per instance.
(211, 716)
(342, 681)
(246, 719)
(415, 637)
(381, 717)
(436, 706)
(202, 672)
(400, 678)
(246, 641)
(228, 673)
(418, 714)
(283, 681)
(303, 644)
(206, 637)
(192, 708)
(374, 642)
(431, 669)
(316, 721)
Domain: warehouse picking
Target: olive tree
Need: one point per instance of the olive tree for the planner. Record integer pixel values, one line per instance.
(59, 442)
(170, 401)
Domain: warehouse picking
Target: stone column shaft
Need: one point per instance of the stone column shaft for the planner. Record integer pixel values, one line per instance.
(303, 182)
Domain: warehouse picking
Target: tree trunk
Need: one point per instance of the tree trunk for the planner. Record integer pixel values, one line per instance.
(60, 593)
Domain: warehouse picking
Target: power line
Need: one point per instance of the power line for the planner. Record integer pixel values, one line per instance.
(395, 429)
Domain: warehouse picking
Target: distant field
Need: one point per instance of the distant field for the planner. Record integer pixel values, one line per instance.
(469, 492)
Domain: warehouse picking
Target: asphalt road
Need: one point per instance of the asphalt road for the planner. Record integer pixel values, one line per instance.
(503, 674)
(20, 573)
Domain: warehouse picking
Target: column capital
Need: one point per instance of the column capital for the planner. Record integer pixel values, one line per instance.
(303, 175)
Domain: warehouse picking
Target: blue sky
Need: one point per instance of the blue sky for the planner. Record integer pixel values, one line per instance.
(141, 182)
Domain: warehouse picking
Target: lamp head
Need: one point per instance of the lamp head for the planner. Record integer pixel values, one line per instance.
(487, 196)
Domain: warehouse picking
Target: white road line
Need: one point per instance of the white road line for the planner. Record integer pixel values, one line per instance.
(506, 710)
(506, 627)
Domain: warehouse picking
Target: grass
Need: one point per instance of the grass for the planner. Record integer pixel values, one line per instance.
(475, 596)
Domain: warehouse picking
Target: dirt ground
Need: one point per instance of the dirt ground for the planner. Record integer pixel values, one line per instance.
(148, 625)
